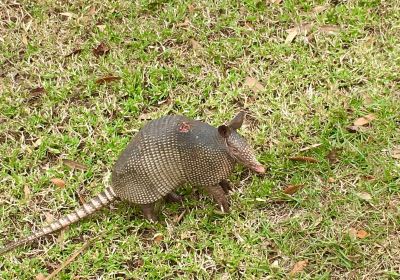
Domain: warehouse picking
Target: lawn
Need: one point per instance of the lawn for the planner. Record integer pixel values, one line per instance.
(318, 79)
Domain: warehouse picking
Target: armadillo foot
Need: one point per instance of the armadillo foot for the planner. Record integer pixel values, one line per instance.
(148, 212)
(173, 197)
(226, 186)
(218, 194)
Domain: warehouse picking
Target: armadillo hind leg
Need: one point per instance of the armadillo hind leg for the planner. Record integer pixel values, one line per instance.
(226, 186)
(148, 212)
(218, 194)
(173, 197)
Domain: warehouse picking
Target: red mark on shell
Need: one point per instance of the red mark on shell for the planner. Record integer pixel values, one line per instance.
(184, 127)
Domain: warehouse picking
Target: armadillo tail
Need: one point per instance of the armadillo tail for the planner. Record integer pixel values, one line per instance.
(85, 210)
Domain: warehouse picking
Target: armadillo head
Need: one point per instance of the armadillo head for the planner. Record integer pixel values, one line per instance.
(237, 146)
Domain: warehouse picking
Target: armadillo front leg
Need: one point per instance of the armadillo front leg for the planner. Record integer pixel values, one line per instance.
(217, 192)
(226, 186)
(148, 212)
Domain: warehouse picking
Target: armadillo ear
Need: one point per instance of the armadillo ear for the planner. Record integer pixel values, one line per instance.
(237, 121)
(224, 131)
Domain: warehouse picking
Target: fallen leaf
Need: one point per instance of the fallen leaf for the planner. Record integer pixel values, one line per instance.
(101, 49)
(396, 153)
(179, 217)
(353, 232)
(101, 27)
(331, 180)
(364, 120)
(191, 8)
(68, 15)
(364, 196)
(332, 156)
(319, 9)
(74, 164)
(36, 92)
(58, 182)
(298, 30)
(145, 116)
(354, 128)
(91, 11)
(275, 264)
(368, 177)
(291, 189)
(195, 44)
(298, 267)
(304, 159)
(184, 24)
(74, 52)
(292, 33)
(253, 84)
(329, 29)
(40, 276)
(49, 217)
(362, 234)
(27, 192)
(310, 147)
(82, 198)
(107, 79)
(158, 237)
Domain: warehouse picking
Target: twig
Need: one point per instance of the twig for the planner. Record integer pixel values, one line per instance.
(69, 260)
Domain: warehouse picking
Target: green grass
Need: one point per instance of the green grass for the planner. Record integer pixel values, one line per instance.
(315, 87)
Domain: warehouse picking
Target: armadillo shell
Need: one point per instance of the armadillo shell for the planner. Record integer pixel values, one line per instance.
(167, 153)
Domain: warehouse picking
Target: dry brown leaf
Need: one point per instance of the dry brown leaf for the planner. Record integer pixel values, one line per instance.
(68, 15)
(253, 84)
(310, 147)
(101, 27)
(158, 237)
(291, 189)
(101, 49)
(364, 120)
(292, 33)
(107, 79)
(186, 23)
(74, 164)
(58, 182)
(49, 217)
(145, 116)
(329, 29)
(40, 276)
(331, 180)
(36, 92)
(364, 196)
(191, 8)
(304, 159)
(195, 45)
(368, 177)
(91, 11)
(319, 9)
(298, 30)
(298, 267)
(333, 156)
(27, 192)
(353, 232)
(362, 234)
(354, 128)
(178, 218)
(396, 153)
(74, 52)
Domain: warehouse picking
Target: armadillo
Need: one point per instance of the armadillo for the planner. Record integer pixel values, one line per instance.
(167, 153)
